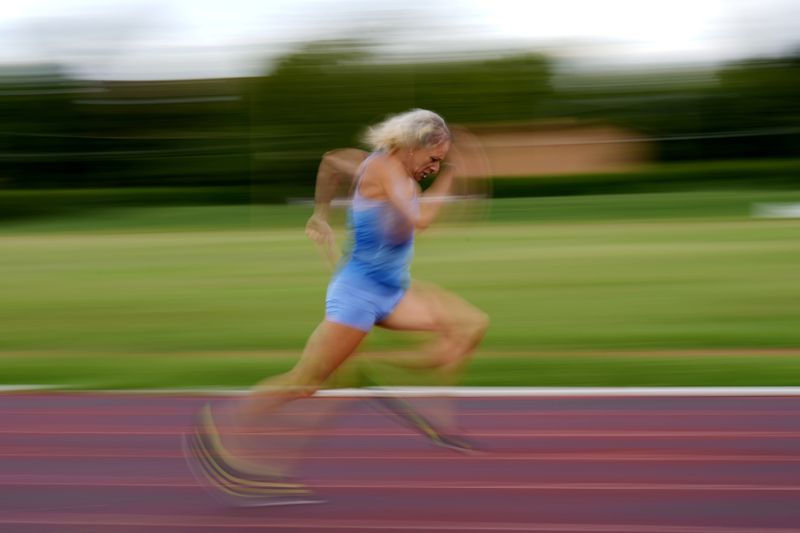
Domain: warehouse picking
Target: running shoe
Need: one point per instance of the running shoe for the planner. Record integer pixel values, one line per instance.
(405, 413)
(228, 479)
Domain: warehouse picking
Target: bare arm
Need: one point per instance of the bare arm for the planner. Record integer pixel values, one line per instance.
(435, 197)
(336, 170)
(399, 188)
(440, 191)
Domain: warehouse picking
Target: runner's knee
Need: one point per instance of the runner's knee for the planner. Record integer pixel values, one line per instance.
(471, 326)
(479, 324)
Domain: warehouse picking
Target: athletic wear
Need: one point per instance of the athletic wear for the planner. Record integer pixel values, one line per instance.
(360, 302)
(375, 274)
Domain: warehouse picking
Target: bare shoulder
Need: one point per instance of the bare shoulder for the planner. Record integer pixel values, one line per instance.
(381, 173)
(345, 160)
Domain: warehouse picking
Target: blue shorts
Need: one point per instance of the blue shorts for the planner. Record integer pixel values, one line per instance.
(360, 303)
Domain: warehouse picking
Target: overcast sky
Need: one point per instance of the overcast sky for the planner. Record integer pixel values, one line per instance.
(143, 39)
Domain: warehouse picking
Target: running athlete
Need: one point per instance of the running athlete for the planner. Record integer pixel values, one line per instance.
(372, 286)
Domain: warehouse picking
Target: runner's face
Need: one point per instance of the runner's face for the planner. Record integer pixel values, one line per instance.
(425, 161)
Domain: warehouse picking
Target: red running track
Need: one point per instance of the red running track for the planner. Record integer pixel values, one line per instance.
(90, 463)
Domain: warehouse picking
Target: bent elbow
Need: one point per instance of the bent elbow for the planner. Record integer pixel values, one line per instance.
(421, 224)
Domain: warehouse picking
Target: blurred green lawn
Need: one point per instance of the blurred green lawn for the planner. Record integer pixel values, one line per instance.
(195, 296)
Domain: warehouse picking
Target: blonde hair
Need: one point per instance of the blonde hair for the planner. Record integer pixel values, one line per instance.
(414, 128)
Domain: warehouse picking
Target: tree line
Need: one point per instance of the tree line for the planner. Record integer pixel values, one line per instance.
(269, 131)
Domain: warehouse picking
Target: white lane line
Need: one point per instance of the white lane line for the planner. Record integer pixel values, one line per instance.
(23, 388)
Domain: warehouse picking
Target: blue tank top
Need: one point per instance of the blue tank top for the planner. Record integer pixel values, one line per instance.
(382, 242)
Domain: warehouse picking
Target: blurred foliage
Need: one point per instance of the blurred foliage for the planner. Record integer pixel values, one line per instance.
(323, 96)
(738, 174)
(266, 134)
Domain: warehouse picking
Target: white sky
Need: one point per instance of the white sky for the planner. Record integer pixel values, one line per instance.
(140, 39)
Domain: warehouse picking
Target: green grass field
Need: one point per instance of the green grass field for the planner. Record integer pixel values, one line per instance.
(661, 289)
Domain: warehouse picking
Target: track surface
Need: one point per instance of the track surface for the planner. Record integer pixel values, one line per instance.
(112, 463)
